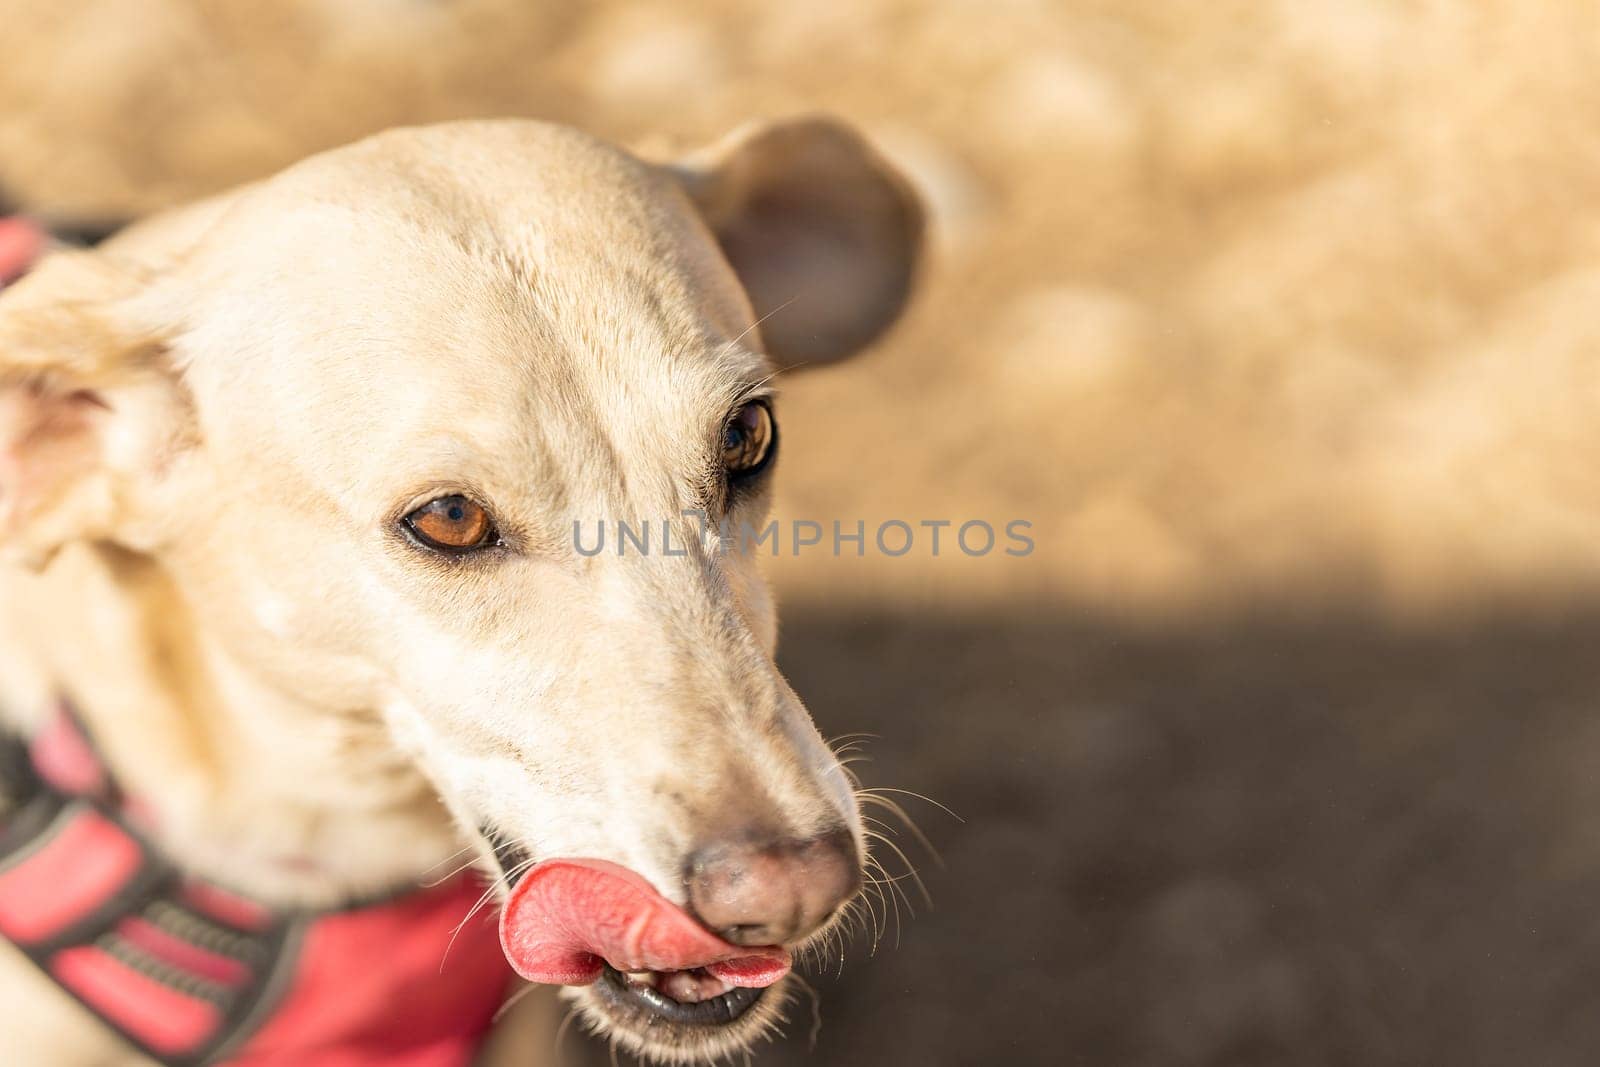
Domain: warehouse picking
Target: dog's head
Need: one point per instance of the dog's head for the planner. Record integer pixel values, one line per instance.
(357, 415)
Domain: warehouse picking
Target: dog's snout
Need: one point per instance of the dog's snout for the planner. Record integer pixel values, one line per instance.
(772, 893)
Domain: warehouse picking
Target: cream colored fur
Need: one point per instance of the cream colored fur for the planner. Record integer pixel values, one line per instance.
(210, 428)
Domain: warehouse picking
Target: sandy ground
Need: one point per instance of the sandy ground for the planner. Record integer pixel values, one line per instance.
(1275, 319)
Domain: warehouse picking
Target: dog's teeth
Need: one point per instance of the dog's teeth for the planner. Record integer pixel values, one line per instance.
(642, 978)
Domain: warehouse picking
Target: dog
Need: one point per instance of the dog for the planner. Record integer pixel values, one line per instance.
(290, 610)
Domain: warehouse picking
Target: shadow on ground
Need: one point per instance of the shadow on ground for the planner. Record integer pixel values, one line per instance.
(1258, 842)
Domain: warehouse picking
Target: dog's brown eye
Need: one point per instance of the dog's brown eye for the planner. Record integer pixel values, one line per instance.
(748, 439)
(451, 524)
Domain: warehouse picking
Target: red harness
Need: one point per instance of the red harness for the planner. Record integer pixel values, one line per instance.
(192, 973)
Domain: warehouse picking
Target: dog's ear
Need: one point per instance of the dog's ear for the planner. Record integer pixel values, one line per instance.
(824, 234)
(91, 413)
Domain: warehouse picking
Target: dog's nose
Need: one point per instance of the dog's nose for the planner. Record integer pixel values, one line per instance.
(767, 893)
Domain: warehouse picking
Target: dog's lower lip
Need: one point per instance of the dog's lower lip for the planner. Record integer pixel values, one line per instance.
(719, 1010)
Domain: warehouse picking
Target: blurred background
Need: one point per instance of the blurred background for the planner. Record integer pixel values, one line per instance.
(1277, 320)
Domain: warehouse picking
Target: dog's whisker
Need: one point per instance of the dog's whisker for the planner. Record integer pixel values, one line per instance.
(828, 942)
(748, 330)
(861, 909)
(882, 833)
(815, 951)
(866, 901)
(843, 741)
(882, 826)
(890, 906)
(850, 922)
(865, 796)
(889, 887)
(911, 868)
(858, 914)
(832, 946)
(919, 796)
(485, 897)
(816, 1013)
(477, 907)
(442, 879)
(434, 883)
(881, 916)
(561, 1030)
(893, 896)
(448, 859)
(512, 1000)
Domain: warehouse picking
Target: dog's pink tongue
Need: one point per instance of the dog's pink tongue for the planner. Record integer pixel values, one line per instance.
(567, 918)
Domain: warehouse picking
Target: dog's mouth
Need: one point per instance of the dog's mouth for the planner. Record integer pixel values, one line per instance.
(644, 972)
(689, 998)
(655, 1015)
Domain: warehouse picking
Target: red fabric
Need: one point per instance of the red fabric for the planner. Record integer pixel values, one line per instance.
(179, 954)
(21, 242)
(376, 987)
(62, 756)
(168, 1021)
(66, 878)
(403, 983)
(225, 907)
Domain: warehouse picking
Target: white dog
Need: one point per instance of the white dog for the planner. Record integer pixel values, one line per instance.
(293, 623)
